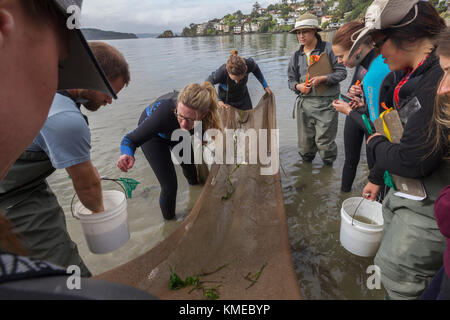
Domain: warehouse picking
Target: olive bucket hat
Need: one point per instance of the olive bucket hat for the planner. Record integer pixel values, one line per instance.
(306, 21)
(383, 14)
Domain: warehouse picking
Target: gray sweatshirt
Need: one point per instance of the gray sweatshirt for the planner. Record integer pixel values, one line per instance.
(339, 74)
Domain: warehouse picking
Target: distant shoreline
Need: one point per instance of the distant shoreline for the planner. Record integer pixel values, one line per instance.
(236, 34)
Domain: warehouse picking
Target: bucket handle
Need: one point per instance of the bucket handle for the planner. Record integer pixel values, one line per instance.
(104, 179)
(353, 217)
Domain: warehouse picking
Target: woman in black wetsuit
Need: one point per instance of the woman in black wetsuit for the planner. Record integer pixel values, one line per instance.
(232, 78)
(354, 130)
(158, 121)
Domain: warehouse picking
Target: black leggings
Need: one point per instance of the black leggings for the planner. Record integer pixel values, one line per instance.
(353, 139)
(157, 152)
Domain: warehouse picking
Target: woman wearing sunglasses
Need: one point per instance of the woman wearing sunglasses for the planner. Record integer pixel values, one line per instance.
(158, 121)
(411, 249)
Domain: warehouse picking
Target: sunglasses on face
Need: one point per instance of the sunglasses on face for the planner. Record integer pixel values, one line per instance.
(305, 31)
(181, 117)
(380, 43)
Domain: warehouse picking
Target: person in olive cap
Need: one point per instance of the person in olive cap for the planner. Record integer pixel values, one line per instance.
(411, 248)
(317, 121)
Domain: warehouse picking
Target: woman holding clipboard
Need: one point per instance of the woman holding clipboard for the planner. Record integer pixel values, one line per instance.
(317, 121)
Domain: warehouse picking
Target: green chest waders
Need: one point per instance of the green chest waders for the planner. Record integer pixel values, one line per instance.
(35, 213)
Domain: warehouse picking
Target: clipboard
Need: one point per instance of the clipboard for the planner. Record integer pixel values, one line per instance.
(406, 188)
(321, 68)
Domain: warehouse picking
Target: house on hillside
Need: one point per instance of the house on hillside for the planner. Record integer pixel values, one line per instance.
(237, 29)
(247, 28)
(254, 27)
(201, 28)
(326, 19)
(291, 21)
(334, 6)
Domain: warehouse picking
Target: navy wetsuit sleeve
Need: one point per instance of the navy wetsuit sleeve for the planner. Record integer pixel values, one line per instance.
(149, 128)
(218, 76)
(254, 68)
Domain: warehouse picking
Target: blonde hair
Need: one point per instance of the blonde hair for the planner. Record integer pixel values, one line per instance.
(440, 125)
(236, 65)
(204, 99)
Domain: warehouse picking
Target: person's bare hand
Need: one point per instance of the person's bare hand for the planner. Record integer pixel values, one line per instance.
(355, 91)
(356, 103)
(125, 162)
(303, 88)
(223, 105)
(342, 107)
(370, 191)
(315, 81)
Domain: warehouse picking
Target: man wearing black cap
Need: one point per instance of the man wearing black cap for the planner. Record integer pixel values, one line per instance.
(40, 54)
(64, 142)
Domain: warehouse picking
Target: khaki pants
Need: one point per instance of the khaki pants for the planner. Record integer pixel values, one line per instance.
(317, 124)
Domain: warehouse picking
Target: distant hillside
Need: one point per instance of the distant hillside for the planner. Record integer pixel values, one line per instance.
(147, 35)
(97, 34)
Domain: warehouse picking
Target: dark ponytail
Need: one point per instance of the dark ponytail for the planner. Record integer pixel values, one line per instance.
(236, 65)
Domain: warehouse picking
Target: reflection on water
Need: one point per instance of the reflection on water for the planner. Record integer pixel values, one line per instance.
(311, 191)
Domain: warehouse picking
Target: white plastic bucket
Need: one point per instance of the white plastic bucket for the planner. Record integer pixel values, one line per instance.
(359, 238)
(106, 231)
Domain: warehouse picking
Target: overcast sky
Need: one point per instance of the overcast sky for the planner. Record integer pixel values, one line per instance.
(153, 16)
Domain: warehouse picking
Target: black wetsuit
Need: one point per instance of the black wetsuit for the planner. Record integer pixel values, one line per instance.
(236, 94)
(153, 135)
(354, 133)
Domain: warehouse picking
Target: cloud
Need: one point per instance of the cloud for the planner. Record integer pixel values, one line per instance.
(139, 16)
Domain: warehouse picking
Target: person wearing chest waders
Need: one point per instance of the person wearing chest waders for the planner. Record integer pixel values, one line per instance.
(317, 121)
(411, 248)
(64, 142)
(439, 288)
(154, 134)
(41, 51)
(232, 78)
(369, 76)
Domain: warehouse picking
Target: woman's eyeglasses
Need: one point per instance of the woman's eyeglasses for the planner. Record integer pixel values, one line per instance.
(379, 44)
(179, 116)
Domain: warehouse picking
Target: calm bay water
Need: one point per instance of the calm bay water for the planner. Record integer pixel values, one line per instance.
(311, 191)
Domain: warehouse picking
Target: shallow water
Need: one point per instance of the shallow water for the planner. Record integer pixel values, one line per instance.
(311, 191)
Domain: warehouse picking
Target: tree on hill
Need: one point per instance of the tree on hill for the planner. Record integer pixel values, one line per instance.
(255, 14)
(238, 14)
(256, 6)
